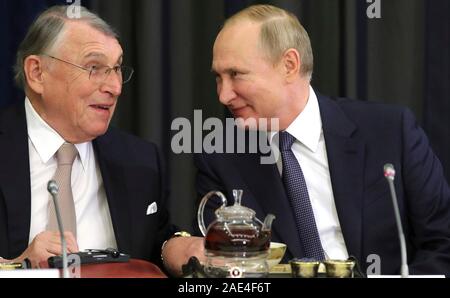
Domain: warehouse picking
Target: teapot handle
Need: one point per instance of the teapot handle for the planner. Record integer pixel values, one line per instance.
(200, 220)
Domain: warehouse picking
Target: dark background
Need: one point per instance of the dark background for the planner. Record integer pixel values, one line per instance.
(401, 58)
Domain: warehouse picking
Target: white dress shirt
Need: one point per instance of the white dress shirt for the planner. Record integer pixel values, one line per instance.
(310, 151)
(94, 226)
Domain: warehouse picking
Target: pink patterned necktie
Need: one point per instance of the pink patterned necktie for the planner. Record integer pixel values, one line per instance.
(65, 157)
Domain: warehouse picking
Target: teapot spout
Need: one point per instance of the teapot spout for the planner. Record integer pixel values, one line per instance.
(267, 225)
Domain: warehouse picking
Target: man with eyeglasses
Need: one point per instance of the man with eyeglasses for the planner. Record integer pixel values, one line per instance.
(112, 194)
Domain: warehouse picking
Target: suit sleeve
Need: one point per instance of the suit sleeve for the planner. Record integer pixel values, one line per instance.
(206, 181)
(165, 228)
(428, 202)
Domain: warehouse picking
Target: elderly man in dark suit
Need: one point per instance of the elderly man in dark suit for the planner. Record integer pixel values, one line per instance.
(111, 187)
(327, 190)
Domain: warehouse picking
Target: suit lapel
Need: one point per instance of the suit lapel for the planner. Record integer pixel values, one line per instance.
(15, 177)
(264, 183)
(114, 184)
(346, 163)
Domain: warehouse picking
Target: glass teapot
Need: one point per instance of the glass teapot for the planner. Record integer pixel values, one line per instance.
(236, 242)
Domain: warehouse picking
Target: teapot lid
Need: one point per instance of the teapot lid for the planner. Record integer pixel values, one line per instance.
(237, 210)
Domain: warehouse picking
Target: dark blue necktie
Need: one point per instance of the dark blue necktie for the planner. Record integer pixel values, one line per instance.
(297, 192)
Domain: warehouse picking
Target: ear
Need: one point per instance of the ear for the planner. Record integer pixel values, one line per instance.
(291, 64)
(33, 69)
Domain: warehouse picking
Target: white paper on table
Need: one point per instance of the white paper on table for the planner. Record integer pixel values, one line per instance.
(29, 273)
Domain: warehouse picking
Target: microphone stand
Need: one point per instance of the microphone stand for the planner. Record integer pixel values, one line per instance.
(389, 173)
(53, 189)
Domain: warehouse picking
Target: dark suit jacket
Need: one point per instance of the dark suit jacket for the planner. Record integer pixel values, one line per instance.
(360, 138)
(132, 177)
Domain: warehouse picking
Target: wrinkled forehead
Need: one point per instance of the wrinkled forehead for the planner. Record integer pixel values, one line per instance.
(80, 40)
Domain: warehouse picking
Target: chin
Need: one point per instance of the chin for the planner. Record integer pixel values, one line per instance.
(98, 131)
(249, 123)
(259, 123)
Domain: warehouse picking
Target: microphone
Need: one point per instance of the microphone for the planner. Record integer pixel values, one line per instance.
(389, 173)
(53, 189)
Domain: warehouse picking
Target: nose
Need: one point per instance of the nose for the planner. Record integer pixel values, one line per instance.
(226, 92)
(112, 84)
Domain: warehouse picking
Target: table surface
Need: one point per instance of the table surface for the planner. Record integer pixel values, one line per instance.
(133, 269)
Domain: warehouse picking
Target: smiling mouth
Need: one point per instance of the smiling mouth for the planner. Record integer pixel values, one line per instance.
(101, 107)
(237, 110)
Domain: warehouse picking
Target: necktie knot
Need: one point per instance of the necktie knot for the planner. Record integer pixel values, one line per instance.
(286, 141)
(66, 154)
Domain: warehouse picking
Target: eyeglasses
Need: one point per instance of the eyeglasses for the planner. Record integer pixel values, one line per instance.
(99, 73)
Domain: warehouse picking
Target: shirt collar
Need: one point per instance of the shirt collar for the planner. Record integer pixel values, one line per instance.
(307, 127)
(45, 139)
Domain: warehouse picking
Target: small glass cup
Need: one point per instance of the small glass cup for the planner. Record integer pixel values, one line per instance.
(339, 268)
(304, 268)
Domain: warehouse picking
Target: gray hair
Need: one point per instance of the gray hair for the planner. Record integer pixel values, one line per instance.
(48, 28)
(280, 31)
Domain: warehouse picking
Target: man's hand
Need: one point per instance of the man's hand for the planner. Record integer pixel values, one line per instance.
(46, 245)
(177, 252)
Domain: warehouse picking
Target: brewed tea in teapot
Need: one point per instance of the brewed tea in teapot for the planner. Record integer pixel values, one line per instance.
(236, 242)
